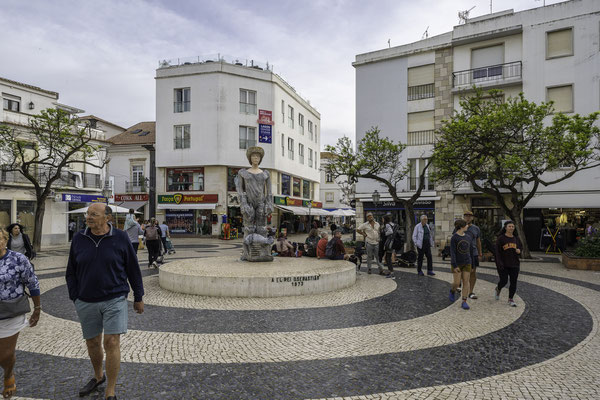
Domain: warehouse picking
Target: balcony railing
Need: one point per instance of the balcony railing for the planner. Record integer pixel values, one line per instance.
(493, 74)
(136, 186)
(90, 181)
(413, 184)
(421, 92)
(417, 138)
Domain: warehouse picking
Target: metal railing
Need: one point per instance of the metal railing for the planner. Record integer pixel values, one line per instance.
(417, 138)
(136, 186)
(420, 92)
(42, 175)
(413, 183)
(211, 58)
(92, 181)
(492, 73)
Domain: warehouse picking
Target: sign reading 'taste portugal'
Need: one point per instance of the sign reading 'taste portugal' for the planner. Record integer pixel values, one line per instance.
(179, 198)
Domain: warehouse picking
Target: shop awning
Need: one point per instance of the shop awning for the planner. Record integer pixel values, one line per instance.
(197, 206)
(303, 210)
(565, 200)
(131, 204)
(342, 212)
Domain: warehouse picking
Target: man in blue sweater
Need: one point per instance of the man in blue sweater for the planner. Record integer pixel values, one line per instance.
(101, 262)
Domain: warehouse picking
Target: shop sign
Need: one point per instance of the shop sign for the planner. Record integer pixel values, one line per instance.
(288, 201)
(83, 198)
(180, 221)
(179, 198)
(293, 202)
(313, 204)
(280, 201)
(265, 117)
(131, 197)
(264, 133)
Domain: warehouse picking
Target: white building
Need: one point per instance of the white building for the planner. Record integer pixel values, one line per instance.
(548, 53)
(77, 188)
(332, 195)
(130, 168)
(208, 112)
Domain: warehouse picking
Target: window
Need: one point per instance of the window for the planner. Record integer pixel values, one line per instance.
(306, 189)
(26, 214)
(562, 96)
(310, 130)
(416, 169)
(328, 178)
(182, 100)
(420, 82)
(137, 175)
(11, 103)
(282, 111)
(5, 211)
(487, 62)
(282, 145)
(328, 197)
(310, 157)
(182, 136)
(278, 182)
(285, 185)
(316, 136)
(301, 123)
(420, 128)
(297, 187)
(247, 137)
(231, 174)
(559, 43)
(291, 117)
(290, 148)
(301, 153)
(185, 179)
(247, 101)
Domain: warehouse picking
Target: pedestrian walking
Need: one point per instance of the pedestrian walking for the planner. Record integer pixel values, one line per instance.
(508, 254)
(423, 238)
(19, 241)
(475, 233)
(17, 272)
(370, 231)
(72, 228)
(134, 231)
(101, 263)
(389, 229)
(164, 234)
(152, 235)
(460, 261)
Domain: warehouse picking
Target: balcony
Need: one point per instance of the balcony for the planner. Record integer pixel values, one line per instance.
(421, 92)
(418, 138)
(66, 179)
(136, 186)
(494, 75)
(413, 184)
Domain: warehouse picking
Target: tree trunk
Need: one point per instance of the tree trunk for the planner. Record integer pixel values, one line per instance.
(515, 215)
(40, 210)
(409, 226)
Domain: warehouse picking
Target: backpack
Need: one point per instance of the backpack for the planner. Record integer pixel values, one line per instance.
(395, 241)
(311, 246)
(152, 233)
(330, 249)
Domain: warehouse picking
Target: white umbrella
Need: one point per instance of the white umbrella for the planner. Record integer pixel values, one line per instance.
(115, 210)
(349, 213)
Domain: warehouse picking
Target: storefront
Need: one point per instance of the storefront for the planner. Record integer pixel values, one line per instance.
(189, 214)
(137, 202)
(396, 210)
(78, 201)
(297, 214)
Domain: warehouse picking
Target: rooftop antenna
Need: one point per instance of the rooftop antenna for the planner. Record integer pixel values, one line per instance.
(425, 34)
(491, 6)
(389, 44)
(463, 16)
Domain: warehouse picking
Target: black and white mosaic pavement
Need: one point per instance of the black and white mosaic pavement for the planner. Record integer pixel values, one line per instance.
(555, 318)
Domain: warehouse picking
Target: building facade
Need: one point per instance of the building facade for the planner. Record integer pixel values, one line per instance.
(77, 187)
(548, 53)
(208, 112)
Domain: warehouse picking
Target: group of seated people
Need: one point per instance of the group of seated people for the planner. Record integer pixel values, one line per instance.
(316, 245)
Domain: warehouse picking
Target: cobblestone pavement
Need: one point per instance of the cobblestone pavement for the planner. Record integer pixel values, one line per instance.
(380, 339)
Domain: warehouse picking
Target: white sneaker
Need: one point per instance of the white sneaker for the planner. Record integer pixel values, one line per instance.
(512, 303)
(154, 265)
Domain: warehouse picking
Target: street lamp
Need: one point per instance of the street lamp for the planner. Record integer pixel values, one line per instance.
(309, 207)
(376, 197)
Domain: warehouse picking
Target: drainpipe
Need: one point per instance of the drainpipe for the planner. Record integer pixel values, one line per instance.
(152, 186)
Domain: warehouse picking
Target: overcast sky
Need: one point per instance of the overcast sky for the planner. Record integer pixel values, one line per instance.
(101, 55)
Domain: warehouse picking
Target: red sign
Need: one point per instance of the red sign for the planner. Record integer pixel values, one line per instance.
(293, 202)
(179, 198)
(265, 117)
(131, 197)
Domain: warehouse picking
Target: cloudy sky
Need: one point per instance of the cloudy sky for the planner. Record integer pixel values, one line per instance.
(101, 55)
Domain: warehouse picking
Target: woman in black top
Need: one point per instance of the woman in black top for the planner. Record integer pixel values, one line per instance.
(508, 253)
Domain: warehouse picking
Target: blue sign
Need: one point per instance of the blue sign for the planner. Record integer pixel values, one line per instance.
(83, 198)
(264, 133)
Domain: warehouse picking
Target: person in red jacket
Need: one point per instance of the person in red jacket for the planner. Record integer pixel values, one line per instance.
(508, 253)
(322, 245)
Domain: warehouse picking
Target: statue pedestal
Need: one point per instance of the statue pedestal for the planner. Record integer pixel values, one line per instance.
(230, 277)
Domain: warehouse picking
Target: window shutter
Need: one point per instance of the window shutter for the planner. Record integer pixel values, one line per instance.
(487, 56)
(420, 121)
(562, 97)
(560, 43)
(422, 75)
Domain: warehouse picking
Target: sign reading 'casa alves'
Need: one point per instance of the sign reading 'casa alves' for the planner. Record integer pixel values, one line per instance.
(179, 198)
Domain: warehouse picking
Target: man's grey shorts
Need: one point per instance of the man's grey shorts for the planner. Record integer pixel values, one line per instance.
(110, 315)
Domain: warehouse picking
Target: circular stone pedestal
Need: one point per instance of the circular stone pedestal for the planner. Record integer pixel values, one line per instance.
(230, 277)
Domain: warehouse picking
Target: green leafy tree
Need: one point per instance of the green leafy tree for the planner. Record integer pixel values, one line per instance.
(508, 149)
(43, 153)
(377, 158)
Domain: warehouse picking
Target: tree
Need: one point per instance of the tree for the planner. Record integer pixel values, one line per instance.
(43, 153)
(377, 158)
(508, 149)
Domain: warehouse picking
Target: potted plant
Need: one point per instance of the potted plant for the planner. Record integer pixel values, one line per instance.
(586, 255)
